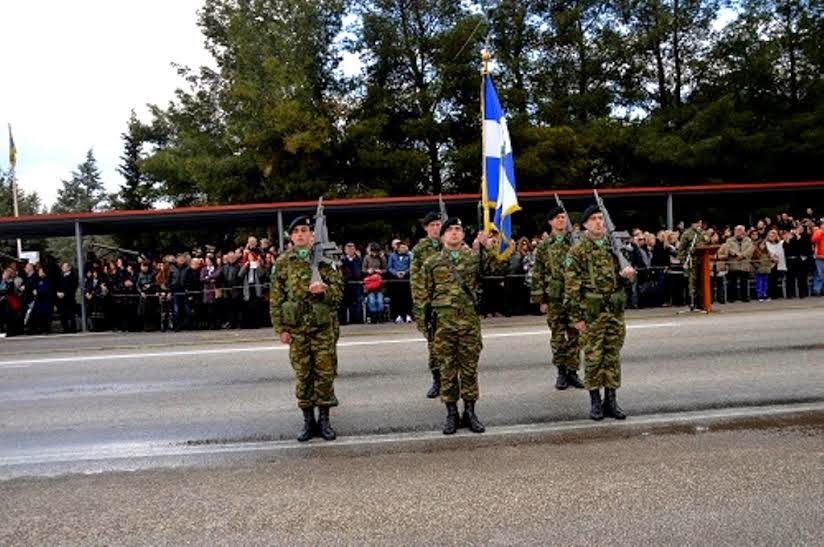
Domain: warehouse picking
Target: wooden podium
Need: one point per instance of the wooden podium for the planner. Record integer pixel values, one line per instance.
(705, 254)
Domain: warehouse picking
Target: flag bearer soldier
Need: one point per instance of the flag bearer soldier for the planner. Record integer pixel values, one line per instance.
(450, 282)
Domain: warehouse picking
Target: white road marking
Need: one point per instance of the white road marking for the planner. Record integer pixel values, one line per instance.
(25, 363)
(113, 452)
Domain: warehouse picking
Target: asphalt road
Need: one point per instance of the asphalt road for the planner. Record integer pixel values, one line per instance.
(714, 488)
(186, 439)
(125, 392)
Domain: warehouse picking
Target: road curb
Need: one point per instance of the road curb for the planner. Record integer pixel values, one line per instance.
(579, 431)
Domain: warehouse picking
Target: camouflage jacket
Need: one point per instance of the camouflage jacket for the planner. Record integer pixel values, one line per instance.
(291, 306)
(686, 245)
(496, 262)
(421, 252)
(443, 292)
(591, 281)
(548, 271)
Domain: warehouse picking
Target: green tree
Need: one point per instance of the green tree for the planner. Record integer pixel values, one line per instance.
(416, 124)
(136, 192)
(261, 126)
(84, 192)
(28, 203)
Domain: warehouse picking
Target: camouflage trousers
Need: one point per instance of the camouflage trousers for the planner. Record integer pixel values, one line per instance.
(456, 351)
(602, 343)
(564, 341)
(314, 359)
(692, 284)
(433, 363)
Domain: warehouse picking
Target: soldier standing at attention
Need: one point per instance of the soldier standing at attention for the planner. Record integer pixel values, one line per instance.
(692, 238)
(304, 315)
(450, 280)
(548, 291)
(595, 293)
(423, 250)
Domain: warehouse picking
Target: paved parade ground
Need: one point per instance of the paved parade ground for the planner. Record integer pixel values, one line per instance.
(188, 438)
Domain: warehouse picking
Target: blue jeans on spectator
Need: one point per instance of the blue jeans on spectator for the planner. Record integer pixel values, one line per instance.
(374, 303)
(180, 308)
(818, 281)
(761, 285)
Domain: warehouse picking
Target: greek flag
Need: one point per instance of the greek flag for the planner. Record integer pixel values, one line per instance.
(12, 150)
(499, 164)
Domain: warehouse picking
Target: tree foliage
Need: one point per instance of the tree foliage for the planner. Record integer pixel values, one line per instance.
(613, 92)
(84, 192)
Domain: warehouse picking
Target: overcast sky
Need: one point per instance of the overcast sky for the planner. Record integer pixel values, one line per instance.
(73, 70)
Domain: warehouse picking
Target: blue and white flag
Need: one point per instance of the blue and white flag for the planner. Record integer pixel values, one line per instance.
(499, 164)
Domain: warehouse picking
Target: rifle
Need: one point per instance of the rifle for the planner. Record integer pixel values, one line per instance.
(322, 248)
(568, 221)
(442, 207)
(614, 237)
(430, 319)
(688, 259)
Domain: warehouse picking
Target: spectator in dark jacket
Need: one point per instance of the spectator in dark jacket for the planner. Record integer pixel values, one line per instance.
(798, 250)
(177, 284)
(352, 268)
(66, 290)
(43, 303)
(232, 291)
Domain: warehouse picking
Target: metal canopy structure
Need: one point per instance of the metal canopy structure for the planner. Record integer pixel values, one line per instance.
(110, 222)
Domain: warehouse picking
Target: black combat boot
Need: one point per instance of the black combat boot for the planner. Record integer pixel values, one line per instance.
(324, 426)
(310, 426)
(451, 425)
(595, 412)
(435, 390)
(611, 408)
(572, 378)
(470, 420)
(561, 382)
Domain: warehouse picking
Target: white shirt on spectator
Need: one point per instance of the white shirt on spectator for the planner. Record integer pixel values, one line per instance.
(776, 251)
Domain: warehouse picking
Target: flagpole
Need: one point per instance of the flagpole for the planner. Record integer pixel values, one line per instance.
(12, 175)
(486, 56)
(16, 211)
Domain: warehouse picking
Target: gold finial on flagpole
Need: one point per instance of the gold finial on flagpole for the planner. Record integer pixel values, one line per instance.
(486, 56)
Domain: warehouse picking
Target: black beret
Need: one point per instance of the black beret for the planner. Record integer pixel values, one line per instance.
(451, 221)
(589, 211)
(431, 217)
(302, 220)
(695, 216)
(554, 212)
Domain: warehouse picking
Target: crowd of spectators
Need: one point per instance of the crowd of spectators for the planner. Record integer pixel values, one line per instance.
(207, 288)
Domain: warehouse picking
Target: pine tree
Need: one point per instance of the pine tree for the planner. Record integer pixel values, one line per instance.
(136, 192)
(84, 192)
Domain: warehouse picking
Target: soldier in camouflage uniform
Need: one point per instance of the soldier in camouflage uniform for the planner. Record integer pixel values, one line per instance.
(450, 280)
(304, 315)
(548, 291)
(692, 238)
(425, 248)
(595, 294)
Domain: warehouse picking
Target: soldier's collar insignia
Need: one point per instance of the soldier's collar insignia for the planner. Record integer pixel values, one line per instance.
(560, 238)
(455, 254)
(303, 253)
(600, 242)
